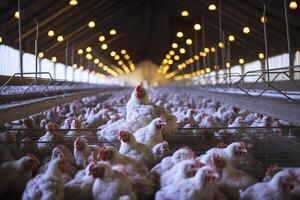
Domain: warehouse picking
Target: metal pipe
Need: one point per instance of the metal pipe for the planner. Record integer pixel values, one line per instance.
(66, 57)
(228, 60)
(20, 40)
(72, 60)
(288, 39)
(36, 48)
(196, 49)
(203, 39)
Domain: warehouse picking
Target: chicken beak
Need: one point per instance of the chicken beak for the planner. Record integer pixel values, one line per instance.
(214, 175)
(243, 151)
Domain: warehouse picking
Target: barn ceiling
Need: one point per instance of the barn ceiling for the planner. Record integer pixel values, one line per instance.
(146, 29)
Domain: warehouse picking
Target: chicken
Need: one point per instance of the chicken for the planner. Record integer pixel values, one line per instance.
(232, 152)
(135, 150)
(238, 122)
(110, 132)
(31, 130)
(198, 187)
(83, 151)
(278, 188)
(151, 135)
(188, 118)
(111, 184)
(231, 180)
(160, 151)
(10, 142)
(76, 125)
(49, 185)
(182, 170)
(139, 176)
(167, 163)
(81, 187)
(28, 146)
(50, 139)
(14, 176)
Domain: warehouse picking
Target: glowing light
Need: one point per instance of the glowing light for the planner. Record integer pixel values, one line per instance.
(221, 45)
(123, 51)
(113, 53)
(117, 57)
(112, 32)
(241, 61)
(168, 56)
(101, 38)
(212, 7)
(60, 38)
(228, 65)
(246, 30)
(126, 56)
(263, 19)
(182, 50)
(172, 53)
(120, 62)
(207, 70)
(231, 38)
(213, 49)
(88, 49)
(100, 64)
(89, 56)
(293, 5)
(74, 66)
(202, 54)
(51, 33)
(189, 42)
(96, 61)
(196, 57)
(91, 24)
(197, 27)
(54, 59)
(1, 39)
(179, 34)
(80, 51)
(41, 55)
(81, 67)
(184, 13)
(206, 50)
(261, 56)
(17, 15)
(174, 45)
(170, 62)
(104, 46)
(73, 2)
(176, 57)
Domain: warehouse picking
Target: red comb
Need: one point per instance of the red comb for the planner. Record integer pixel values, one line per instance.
(122, 132)
(101, 150)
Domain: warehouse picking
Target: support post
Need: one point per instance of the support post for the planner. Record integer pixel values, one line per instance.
(20, 40)
(36, 49)
(266, 45)
(66, 63)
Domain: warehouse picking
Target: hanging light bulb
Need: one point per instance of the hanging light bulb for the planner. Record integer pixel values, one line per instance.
(197, 27)
(293, 5)
(17, 15)
(231, 38)
(263, 19)
(41, 55)
(96, 61)
(213, 49)
(212, 7)
(74, 66)
(174, 45)
(51, 33)
(123, 51)
(113, 53)
(89, 56)
(126, 56)
(179, 34)
(228, 64)
(91, 24)
(104, 46)
(189, 42)
(117, 57)
(246, 30)
(241, 61)
(101, 38)
(261, 56)
(182, 50)
(206, 50)
(112, 32)
(54, 59)
(60, 38)
(221, 45)
(184, 13)
(1, 39)
(88, 49)
(176, 57)
(80, 51)
(73, 2)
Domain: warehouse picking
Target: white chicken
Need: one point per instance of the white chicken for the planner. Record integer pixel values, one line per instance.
(278, 188)
(160, 151)
(50, 139)
(167, 163)
(76, 125)
(83, 151)
(141, 179)
(151, 135)
(231, 180)
(111, 184)
(198, 187)
(81, 187)
(14, 176)
(232, 152)
(135, 150)
(49, 185)
(182, 170)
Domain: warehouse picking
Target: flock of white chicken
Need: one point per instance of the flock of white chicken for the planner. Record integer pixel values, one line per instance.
(129, 156)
